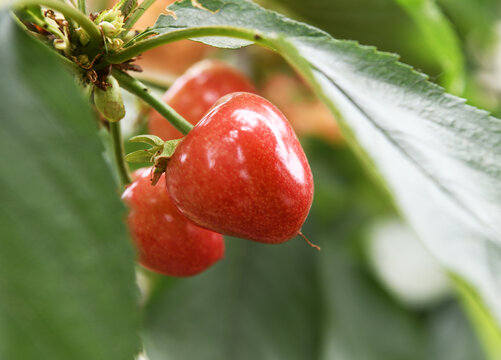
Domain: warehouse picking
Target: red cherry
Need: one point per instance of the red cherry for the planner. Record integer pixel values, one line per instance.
(241, 171)
(167, 242)
(194, 93)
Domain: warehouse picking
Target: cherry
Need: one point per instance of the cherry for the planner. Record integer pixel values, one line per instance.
(241, 171)
(194, 93)
(167, 242)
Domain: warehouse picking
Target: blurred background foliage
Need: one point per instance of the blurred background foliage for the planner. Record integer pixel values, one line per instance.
(373, 292)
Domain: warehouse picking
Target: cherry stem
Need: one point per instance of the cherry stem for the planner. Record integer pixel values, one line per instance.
(308, 241)
(137, 88)
(118, 151)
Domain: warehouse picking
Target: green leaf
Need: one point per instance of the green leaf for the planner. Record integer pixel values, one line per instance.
(67, 289)
(440, 158)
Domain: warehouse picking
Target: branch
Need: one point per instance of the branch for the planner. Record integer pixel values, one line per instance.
(118, 151)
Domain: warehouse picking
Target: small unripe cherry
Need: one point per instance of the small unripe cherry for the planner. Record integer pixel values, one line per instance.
(241, 171)
(194, 93)
(108, 28)
(166, 241)
(109, 102)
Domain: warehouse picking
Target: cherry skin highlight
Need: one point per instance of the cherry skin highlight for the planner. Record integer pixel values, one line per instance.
(241, 171)
(194, 93)
(166, 241)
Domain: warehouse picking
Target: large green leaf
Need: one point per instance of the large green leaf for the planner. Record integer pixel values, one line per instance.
(440, 159)
(67, 288)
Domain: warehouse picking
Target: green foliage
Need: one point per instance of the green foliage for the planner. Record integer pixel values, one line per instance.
(67, 288)
(67, 285)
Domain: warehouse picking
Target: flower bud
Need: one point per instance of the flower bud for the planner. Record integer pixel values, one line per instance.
(114, 44)
(109, 102)
(108, 28)
(111, 22)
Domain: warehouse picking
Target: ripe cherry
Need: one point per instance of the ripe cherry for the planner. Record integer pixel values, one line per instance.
(241, 171)
(167, 242)
(194, 93)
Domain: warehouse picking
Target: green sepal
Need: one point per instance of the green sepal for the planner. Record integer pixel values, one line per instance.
(148, 139)
(139, 156)
(159, 154)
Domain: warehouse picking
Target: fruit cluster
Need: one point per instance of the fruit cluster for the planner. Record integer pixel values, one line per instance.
(240, 171)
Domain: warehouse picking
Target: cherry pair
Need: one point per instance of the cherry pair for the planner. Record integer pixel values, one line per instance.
(240, 171)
